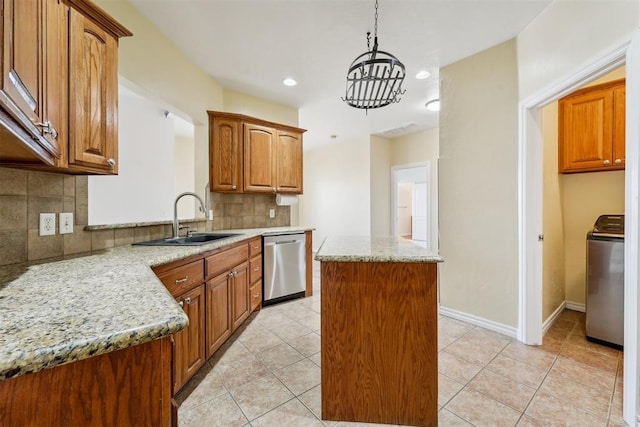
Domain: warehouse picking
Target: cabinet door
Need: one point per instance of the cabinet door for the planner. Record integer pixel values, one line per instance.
(226, 155)
(259, 158)
(241, 305)
(218, 317)
(586, 131)
(289, 162)
(93, 89)
(619, 111)
(189, 353)
(27, 54)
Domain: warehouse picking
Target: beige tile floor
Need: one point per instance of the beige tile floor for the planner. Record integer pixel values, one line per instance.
(268, 374)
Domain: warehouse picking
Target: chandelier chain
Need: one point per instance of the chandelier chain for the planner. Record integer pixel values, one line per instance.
(375, 25)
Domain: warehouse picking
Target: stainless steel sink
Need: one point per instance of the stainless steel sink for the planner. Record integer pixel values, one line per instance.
(191, 240)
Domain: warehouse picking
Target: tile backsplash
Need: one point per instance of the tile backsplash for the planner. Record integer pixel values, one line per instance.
(26, 194)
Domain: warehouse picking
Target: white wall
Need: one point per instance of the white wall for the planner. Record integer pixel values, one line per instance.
(336, 196)
(241, 103)
(380, 186)
(478, 195)
(184, 180)
(566, 35)
(142, 191)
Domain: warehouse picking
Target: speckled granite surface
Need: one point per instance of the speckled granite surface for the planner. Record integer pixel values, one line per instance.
(60, 312)
(373, 249)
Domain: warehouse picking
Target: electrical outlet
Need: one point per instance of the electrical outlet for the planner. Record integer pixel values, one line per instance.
(66, 223)
(47, 224)
(272, 213)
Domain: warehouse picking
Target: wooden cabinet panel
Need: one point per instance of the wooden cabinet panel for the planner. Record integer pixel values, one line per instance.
(255, 293)
(619, 122)
(259, 155)
(32, 60)
(218, 317)
(255, 247)
(240, 304)
(180, 279)
(591, 129)
(189, 343)
(93, 90)
(224, 261)
(289, 162)
(225, 155)
(255, 269)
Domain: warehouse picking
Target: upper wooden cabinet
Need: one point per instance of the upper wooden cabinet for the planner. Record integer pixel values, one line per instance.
(58, 100)
(249, 155)
(591, 129)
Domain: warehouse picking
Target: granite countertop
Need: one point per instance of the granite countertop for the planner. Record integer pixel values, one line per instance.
(373, 249)
(60, 312)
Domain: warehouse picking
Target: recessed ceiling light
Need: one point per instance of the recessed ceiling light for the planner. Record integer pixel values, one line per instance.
(289, 82)
(433, 105)
(423, 74)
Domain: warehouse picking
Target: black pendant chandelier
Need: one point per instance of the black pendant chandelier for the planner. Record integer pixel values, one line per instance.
(374, 78)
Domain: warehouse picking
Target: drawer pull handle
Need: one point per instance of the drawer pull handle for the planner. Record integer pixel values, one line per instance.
(256, 295)
(255, 247)
(256, 269)
(184, 279)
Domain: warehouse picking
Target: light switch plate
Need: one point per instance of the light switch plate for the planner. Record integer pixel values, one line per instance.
(272, 213)
(66, 223)
(47, 224)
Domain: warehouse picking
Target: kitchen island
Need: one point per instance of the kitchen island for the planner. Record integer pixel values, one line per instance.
(379, 335)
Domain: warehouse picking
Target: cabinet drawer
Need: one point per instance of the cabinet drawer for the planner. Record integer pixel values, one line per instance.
(255, 269)
(255, 294)
(224, 261)
(183, 278)
(255, 247)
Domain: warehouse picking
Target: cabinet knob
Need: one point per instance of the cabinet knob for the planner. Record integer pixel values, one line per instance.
(187, 300)
(181, 303)
(233, 273)
(256, 269)
(111, 162)
(273, 189)
(256, 295)
(607, 162)
(233, 187)
(618, 161)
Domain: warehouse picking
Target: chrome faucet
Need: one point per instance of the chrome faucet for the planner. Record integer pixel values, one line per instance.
(176, 225)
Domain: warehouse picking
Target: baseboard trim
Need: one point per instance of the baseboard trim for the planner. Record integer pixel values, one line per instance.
(576, 306)
(551, 319)
(479, 321)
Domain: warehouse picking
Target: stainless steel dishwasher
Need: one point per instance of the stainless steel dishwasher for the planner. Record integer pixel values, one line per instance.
(605, 281)
(284, 267)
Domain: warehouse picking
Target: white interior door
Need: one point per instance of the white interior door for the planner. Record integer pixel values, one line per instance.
(419, 217)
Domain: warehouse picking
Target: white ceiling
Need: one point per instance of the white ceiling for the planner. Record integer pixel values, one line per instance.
(250, 46)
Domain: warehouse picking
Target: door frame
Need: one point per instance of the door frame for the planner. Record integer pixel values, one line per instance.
(530, 142)
(394, 196)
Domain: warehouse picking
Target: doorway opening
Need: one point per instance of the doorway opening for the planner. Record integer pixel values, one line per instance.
(530, 205)
(410, 203)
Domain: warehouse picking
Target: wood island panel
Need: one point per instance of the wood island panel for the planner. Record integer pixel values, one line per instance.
(379, 342)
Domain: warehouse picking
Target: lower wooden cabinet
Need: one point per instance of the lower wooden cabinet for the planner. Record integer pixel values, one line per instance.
(218, 292)
(240, 294)
(189, 354)
(218, 318)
